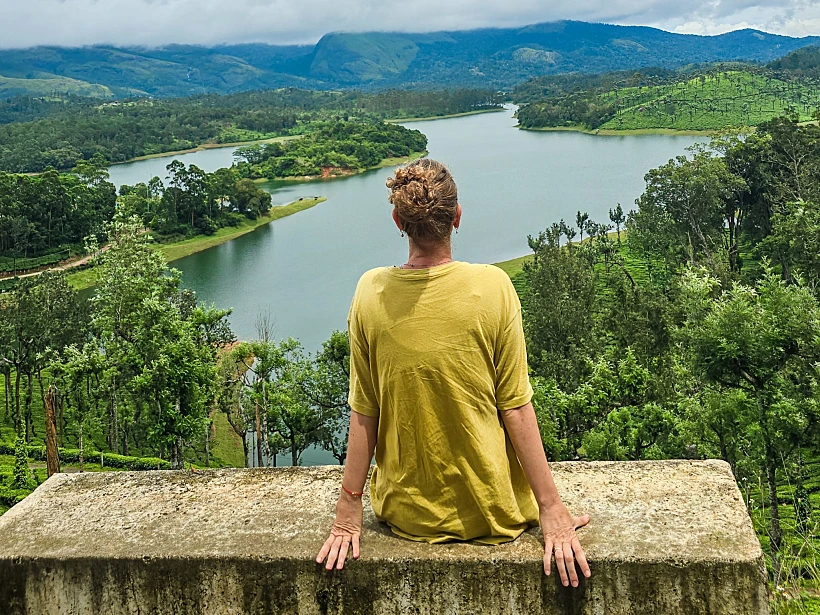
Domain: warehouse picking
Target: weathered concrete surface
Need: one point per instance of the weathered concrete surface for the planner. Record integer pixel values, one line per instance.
(666, 538)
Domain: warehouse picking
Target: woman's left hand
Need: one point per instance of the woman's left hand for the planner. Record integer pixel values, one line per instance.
(558, 527)
(344, 534)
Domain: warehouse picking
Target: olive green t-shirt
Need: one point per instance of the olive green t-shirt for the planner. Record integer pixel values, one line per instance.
(435, 354)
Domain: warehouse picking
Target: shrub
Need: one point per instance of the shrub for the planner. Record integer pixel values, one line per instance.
(21, 477)
(10, 496)
(72, 455)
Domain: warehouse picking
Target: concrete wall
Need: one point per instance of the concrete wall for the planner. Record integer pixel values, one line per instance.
(667, 537)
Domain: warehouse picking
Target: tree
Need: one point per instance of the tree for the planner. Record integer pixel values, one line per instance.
(618, 218)
(581, 220)
(680, 216)
(560, 299)
(249, 199)
(160, 347)
(40, 316)
(762, 340)
(794, 241)
(328, 388)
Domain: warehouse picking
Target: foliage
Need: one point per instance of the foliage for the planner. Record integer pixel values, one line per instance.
(40, 317)
(804, 62)
(340, 146)
(682, 214)
(697, 336)
(43, 214)
(22, 477)
(298, 400)
(122, 130)
(555, 86)
(150, 364)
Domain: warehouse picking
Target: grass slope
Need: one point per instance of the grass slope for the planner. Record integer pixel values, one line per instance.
(48, 86)
(226, 445)
(731, 99)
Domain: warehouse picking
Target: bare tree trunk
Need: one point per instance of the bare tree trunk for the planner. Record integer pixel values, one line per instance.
(18, 417)
(208, 444)
(61, 421)
(245, 450)
(113, 435)
(775, 530)
(52, 455)
(258, 437)
(294, 454)
(29, 398)
(7, 390)
(176, 451)
(80, 445)
(179, 447)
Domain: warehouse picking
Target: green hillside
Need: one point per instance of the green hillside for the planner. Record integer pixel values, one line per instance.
(48, 86)
(715, 100)
(712, 102)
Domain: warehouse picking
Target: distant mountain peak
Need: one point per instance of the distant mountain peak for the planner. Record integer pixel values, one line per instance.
(487, 57)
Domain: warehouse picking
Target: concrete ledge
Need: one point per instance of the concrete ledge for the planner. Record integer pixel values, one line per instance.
(667, 538)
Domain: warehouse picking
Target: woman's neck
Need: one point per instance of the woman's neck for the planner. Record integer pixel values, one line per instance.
(429, 254)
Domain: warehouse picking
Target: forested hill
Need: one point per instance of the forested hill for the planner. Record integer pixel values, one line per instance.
(77, 129)
(498, 57)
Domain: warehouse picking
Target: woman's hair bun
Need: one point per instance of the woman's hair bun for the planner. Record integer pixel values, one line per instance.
(425, 197)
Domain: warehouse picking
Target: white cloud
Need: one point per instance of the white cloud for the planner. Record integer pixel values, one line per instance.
(157, 22)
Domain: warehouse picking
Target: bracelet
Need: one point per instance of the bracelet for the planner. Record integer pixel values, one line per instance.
(352, 493)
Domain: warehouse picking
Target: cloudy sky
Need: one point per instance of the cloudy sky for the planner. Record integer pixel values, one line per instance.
(157, 22)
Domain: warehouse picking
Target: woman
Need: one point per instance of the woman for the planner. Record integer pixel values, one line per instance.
(439, 388)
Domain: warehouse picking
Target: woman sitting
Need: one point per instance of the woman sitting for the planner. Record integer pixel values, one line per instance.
(439, 389)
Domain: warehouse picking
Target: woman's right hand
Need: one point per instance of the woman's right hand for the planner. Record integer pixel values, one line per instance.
(346, 531)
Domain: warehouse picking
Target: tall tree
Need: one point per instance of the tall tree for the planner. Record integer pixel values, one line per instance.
(764, 341)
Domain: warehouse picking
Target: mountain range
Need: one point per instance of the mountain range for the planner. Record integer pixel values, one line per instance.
(493, 57)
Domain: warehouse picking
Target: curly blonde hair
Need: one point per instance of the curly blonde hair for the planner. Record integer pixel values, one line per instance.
(425, 198)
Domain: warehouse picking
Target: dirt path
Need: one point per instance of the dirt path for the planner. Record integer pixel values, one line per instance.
(61, 267)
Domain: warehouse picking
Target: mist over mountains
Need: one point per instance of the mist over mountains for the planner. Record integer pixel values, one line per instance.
(497, 58)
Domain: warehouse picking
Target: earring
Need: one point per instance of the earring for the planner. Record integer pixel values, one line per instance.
(402, 233)
(456, 230)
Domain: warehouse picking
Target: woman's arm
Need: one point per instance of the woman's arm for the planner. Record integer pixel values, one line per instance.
(347, 528)
(557, 524)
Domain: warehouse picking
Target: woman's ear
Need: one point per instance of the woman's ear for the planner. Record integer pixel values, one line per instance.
(457, 219)
(396, 220)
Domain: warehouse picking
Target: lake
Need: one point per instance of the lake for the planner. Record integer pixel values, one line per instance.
(302, 269)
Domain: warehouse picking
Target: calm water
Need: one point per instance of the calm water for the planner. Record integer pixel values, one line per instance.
(143, 170)
(303, 269)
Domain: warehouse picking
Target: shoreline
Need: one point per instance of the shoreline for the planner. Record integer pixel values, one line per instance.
(636, 132)
(387, 162)
(206, 146)
(84, 279)
(444, 117)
